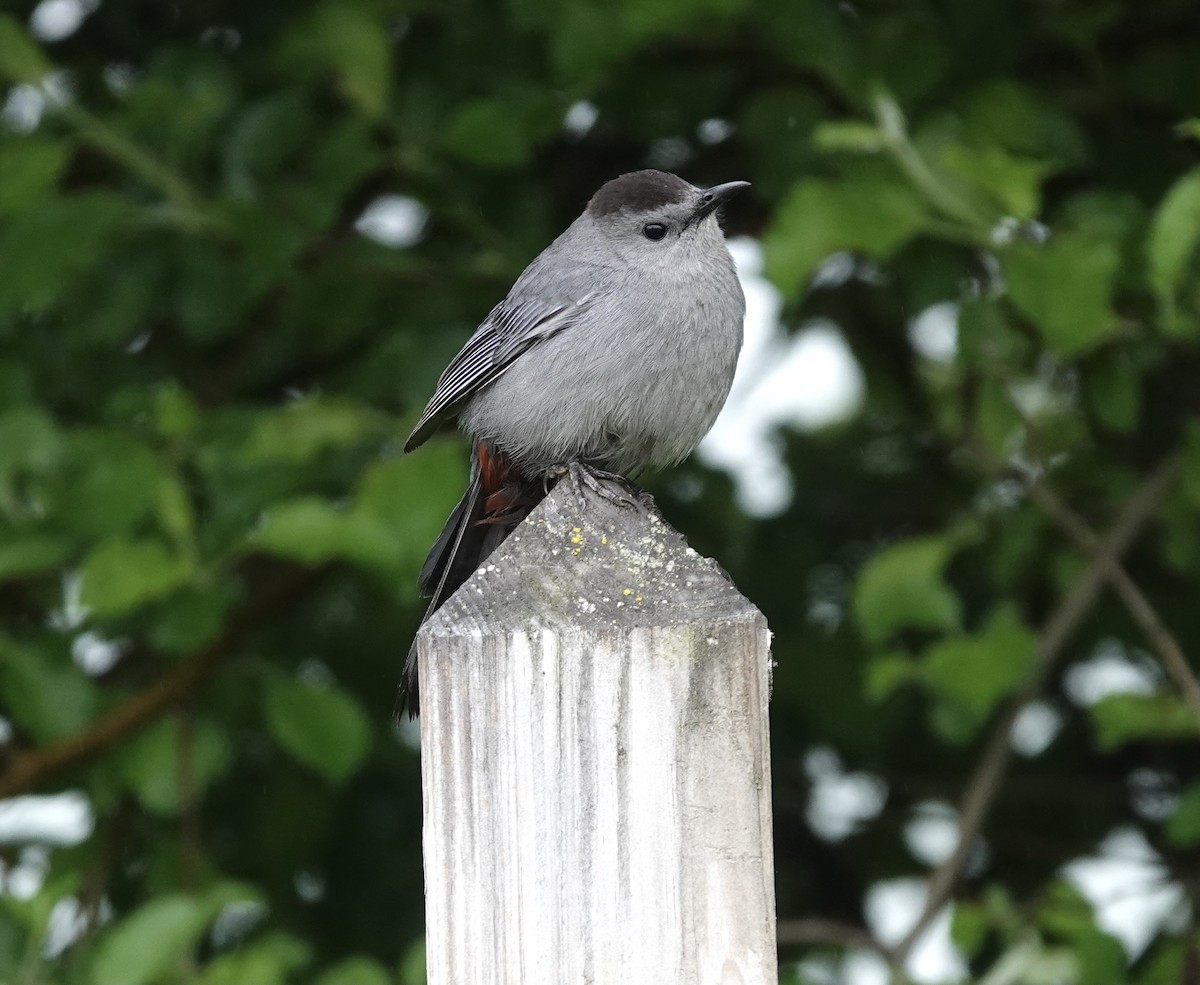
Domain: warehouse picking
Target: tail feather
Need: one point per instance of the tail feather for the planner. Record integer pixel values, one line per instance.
(435, 572)
(494, 503)
(446, 558)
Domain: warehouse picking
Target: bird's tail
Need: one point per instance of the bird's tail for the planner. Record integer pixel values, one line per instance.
(496, 500)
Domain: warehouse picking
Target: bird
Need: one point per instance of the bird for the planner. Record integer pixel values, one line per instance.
(612, 353)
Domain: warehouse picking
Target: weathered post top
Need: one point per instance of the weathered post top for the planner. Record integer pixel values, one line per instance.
(595, 762)
(580, 559)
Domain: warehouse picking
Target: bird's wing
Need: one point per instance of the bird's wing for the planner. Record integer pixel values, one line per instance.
(513, 326)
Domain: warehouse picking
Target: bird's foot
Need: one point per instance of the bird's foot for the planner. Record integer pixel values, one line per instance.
(609, 486)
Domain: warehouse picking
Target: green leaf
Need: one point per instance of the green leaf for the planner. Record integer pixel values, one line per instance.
(980, 180)
(873, 214)
(1015, 117)
(1189, 463)
(321, 726)
(266, 135)
(13, 945)
(21, 60)
(174, 509)
(1017, 543)
(1181, 525)
(886, 672)
(1174, 237)
(1080, 27)
(357, 46)
(28, 169)
(29, 442)
(986, 339)
(150, 763)
(1064, 286)
(972, 674)
(1100, 957)
(996, 419)
(302, 430)
(1114, 392)
(46, 246)
(488, 132)
(121, 575)
(811, 35)
(1064, 912)
(412, 965)
(192, 618)
(1183, 826)
(587, 39)
(398, 509)
(1013, 184)
(336, 161)
(849, 135)
(645, 20)
(345, 40)
(410, 497)
(24, 555)
(44, 691)
(777, 125)
(112, 483)
(151, 943)
(313, 531)
(271, 959)
(1165, 961)
(968, 927)
(176, 414)
(1118, 217)
(902, 586)
(1123, 718)
(357, 970)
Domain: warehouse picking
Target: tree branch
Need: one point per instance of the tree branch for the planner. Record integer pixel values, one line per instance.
(27, 770)
(1160, 638)
(814, 930)
(191, 839)
(105, 860)
(988, 775)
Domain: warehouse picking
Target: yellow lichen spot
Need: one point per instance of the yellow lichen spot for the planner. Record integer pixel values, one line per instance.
(577, 539)
(638, 600)
(577, 530)
(577, 551)
(604, 538)
(628, 591)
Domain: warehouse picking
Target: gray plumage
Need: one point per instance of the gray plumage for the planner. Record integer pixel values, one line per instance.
(611, 348)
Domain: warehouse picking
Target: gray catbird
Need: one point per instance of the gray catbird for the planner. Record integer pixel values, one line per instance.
(614, 351)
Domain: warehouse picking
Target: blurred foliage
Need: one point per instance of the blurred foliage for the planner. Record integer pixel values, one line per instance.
(206, 371)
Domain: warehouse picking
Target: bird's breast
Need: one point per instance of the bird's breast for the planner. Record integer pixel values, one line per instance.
(635, 383)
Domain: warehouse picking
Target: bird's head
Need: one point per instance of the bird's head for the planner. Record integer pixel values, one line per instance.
(656, 219)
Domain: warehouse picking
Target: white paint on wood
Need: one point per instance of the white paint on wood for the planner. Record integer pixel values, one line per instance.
(595, 763)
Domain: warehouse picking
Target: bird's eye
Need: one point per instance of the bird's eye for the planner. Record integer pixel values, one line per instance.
(654, 230)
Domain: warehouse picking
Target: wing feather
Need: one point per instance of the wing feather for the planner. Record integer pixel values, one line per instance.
(509, 330)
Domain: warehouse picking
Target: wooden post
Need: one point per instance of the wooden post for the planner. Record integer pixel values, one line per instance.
(595, 762)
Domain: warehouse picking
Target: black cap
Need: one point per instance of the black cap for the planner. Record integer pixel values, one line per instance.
(640, 191)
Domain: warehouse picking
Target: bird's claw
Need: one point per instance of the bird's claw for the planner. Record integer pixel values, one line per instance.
(609, 486)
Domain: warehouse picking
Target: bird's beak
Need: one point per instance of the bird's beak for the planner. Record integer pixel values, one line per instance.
(716, 196)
